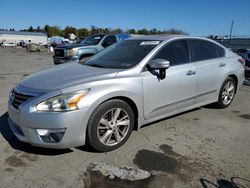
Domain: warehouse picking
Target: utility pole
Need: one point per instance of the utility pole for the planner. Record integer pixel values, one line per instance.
(231, 30)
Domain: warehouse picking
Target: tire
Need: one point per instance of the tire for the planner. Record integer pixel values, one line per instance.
(227, 92)
(110, 125)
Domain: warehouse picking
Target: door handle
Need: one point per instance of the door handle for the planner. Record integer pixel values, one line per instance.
(190, 73)
(222, 64)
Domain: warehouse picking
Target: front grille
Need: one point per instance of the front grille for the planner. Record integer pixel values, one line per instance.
(19, 98)
(59, 52)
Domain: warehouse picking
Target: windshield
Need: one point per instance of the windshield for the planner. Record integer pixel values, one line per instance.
(92, 40)
(122, 55)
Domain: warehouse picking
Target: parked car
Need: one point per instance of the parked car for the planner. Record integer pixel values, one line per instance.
(85, 49)
(129, 84)
(245, 53)
(11, 44)
(56, 41)
(23, 44)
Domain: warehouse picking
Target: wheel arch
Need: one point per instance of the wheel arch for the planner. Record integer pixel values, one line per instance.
(235, 78)
(132, 104)
(128, 98)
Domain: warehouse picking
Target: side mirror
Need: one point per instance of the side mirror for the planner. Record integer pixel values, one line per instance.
(161, 65)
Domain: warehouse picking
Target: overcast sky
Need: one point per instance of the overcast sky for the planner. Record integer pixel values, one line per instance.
(197, 17)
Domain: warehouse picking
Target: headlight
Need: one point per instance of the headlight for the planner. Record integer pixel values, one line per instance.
(71, 52)
(64, 102)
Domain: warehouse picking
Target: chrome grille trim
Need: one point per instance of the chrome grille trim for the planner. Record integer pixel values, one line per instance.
(59, 52)
(19, 98)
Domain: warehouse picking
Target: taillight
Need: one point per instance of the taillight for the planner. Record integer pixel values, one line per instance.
(242, 61)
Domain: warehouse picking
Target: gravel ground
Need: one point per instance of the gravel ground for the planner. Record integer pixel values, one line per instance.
(204, 147)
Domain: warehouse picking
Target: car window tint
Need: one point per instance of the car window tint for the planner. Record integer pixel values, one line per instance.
(109, 40)
(204, 50)
(122, 55)
(176, 53)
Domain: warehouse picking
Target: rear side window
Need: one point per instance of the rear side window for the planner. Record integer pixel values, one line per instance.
(205, 50)
(176, 53)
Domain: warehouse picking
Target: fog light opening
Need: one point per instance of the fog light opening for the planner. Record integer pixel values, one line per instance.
(56, 137)
(51, 136)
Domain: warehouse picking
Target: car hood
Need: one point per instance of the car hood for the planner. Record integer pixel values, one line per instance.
(70, 46)
(66, 75)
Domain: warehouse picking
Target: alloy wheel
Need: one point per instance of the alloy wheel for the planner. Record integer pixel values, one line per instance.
(113, 126)
(228, 93)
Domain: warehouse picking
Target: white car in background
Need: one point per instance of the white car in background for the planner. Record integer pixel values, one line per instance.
(11, 44)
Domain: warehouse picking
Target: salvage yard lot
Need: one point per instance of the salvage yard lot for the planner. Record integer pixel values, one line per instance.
(188, 150)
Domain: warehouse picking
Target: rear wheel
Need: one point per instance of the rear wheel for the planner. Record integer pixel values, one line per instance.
(227, 93)
(110, 125)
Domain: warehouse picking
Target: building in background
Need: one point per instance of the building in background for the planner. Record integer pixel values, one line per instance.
(20, 36)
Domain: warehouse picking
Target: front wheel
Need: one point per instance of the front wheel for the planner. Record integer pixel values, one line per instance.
(227, 93)
(110, 125)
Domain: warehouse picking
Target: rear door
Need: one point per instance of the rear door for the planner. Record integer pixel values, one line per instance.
(209, 62)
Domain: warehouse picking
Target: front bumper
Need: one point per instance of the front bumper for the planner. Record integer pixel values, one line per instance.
(25, 122)
(61, 60)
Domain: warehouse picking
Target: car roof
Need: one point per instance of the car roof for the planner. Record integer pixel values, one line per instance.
(165, 37)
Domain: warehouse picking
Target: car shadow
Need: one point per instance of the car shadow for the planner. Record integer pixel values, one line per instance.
(170, 117)
(25, 147)
(233, 182)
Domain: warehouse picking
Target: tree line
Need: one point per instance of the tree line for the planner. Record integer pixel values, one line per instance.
(84, 32)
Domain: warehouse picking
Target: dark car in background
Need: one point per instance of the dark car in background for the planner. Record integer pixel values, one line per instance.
(86, 48)
(55, 42)
(245, 53)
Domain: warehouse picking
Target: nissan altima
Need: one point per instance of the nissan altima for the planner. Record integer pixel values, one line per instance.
(131, 83)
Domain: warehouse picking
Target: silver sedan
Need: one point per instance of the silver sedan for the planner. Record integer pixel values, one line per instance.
(129, 84)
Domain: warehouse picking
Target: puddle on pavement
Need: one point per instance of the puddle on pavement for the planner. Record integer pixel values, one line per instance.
(168, 166)
(20, 160)
(245, 116)
(155, 161)
(9, 170)
(14, 161)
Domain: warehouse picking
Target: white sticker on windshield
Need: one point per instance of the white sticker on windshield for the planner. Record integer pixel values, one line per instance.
(150, 43)
(96, 38)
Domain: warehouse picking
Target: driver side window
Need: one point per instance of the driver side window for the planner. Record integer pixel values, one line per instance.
(109, 40)
(176, 53)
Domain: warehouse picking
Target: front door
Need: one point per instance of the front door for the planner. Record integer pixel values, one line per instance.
(177, 90)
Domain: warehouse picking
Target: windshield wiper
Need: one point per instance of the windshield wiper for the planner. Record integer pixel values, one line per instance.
(95, 65)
